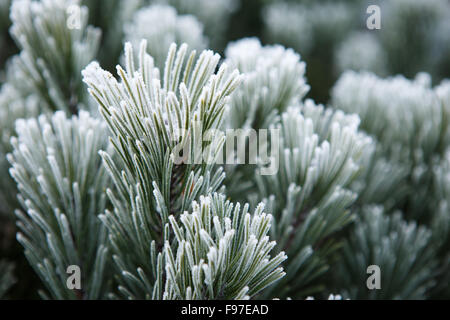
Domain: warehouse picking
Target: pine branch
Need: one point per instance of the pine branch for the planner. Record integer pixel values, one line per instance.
(16, 102)
(402, 250)
(61, 182)
(151, 120)
(409, 151)
(406, 169)
(221, 252)
(274, 78)
(309, 197)
(52, 50)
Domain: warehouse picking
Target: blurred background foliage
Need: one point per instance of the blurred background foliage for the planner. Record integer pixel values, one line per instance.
(330, 35)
